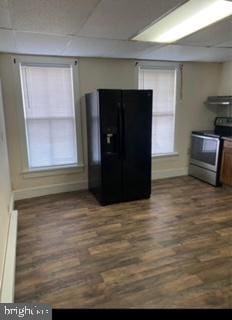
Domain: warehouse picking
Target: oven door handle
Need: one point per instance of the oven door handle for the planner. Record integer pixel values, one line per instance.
(205, 137)
(217, 140)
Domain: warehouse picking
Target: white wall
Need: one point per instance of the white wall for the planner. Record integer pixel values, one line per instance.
(225, 88)
(199, 81)
(225, 81)
(5, 191)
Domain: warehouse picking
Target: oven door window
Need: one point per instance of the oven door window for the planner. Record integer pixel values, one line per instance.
(204, 150)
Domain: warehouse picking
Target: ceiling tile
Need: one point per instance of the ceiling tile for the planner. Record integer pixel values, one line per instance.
(4, 3)
(35, 43)
(188, 53)
(86, 47)
(50, 16)
(80, 46)
(225, 44)
(4, 15)
(213, 35)
(122, 19)
(7, 41)
(50, 27)
(5, 18)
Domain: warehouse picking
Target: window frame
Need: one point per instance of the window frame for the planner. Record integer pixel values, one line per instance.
(26, 170)
(148, 65)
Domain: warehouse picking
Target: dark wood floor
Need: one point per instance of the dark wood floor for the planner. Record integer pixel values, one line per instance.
(172, 251)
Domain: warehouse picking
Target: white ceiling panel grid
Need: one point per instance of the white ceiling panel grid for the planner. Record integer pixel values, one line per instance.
(35, 43)
(122, 19)
(188, 53)
(82, 46)
(213, 35)
(103, 28)
(50, 16)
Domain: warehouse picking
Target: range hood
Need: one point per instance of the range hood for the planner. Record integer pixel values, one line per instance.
(219, 100)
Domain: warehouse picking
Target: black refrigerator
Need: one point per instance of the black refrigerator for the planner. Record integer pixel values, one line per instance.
(119, 126)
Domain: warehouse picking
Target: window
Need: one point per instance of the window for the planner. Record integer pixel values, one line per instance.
(163, 84)
(49, 115)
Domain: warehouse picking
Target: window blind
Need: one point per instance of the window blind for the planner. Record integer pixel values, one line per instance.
(49, 115)
(163, 84)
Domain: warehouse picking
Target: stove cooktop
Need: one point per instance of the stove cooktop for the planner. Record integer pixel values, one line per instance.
(222, 128)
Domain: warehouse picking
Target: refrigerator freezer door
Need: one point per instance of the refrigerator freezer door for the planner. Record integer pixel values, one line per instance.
(111, 163)
(137, 115)
(94, 146)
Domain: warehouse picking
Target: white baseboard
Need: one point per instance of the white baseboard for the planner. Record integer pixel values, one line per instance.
(11, 204)
(83, 185)
(8, 283)
(49, 189)
(169, 173)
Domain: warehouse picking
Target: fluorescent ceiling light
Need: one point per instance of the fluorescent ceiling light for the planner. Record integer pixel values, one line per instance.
(186, 19)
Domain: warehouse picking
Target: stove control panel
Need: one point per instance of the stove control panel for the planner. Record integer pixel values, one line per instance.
(223, 121)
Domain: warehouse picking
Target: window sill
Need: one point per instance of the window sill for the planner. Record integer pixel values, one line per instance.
(52, 171)
(165, 155)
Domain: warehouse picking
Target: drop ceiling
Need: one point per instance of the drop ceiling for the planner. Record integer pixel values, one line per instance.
(103, 28)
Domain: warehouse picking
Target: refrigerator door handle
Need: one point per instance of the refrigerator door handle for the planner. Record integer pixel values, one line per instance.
(119, 130)
(123, 149)
(109, 137)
